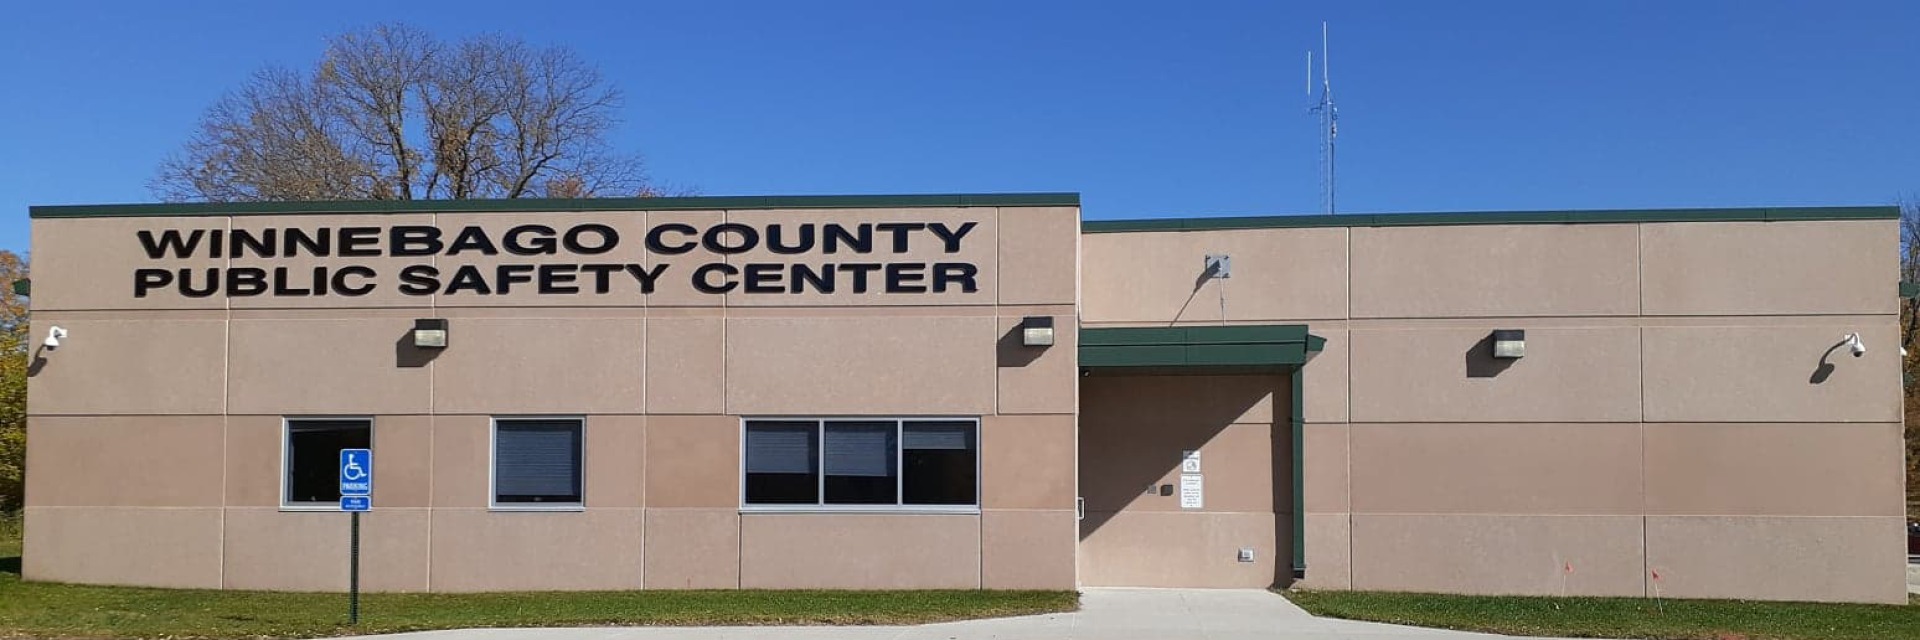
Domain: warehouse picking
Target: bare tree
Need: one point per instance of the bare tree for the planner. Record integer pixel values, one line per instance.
(391, 113)
(1910, 271)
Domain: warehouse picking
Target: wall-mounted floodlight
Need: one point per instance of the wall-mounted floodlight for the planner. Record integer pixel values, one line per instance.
(1509, 343)
(54, 336)
(430, 333)
(1036, 331)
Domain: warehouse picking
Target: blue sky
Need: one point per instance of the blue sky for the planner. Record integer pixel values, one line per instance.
(1147, 109)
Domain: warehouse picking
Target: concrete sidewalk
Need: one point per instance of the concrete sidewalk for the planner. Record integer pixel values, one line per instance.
(1117, 614)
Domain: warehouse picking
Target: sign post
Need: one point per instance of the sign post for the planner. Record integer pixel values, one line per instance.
(356, 496)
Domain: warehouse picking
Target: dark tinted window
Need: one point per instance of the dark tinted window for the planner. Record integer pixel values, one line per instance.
(313, 456)
(783, 462)
(940, 462)
(862, 462)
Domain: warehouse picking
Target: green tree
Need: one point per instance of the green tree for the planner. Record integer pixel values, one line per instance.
(13, 383)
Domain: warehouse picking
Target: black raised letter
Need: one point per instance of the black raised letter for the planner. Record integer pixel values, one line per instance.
(543, 242)
(952, 273)
(658, 245)
(951, 237)
(608, 239)
(170, 241)
(900, 231)
(700, 278)
(144, 279)
(419, 280)
(413, 240)
(775, 232)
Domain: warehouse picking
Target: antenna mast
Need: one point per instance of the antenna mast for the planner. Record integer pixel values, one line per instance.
(1329, 122)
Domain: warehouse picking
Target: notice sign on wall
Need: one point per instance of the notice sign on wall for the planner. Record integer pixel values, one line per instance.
(791, 258)
(1192, 491)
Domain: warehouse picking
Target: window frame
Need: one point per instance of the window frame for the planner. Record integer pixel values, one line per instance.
(493, 466)
(286, 449)
(899, 427)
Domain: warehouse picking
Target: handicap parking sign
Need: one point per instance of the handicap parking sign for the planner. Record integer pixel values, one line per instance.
(356, 472)
(356, 503)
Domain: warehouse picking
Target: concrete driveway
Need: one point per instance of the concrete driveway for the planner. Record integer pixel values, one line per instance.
(1105, 614)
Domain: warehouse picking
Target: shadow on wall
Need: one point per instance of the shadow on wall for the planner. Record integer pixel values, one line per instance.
(1133, 430)
(1013, 351)
(1199, 281)
(1825, 368)
(1480, 360)
(38, 362)
(407, 356)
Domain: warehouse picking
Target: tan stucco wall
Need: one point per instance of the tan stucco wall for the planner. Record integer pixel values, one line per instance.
(1672, 413)
(145, 383)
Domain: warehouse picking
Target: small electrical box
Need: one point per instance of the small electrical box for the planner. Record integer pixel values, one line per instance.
(1218, 265)
(1246, 554)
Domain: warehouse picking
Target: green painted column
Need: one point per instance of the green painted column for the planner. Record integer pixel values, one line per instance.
(1299, 474)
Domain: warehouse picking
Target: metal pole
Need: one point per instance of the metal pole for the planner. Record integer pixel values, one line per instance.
(353, 573)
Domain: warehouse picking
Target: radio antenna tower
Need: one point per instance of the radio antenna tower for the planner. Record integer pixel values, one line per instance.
(1329, 121)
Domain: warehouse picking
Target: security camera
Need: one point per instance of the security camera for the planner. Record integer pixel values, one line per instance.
(53, 338)
(1854, 345)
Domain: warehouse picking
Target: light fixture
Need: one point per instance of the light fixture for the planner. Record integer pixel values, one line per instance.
(54, 336)
(1036, 331)
(1509, 343)
(430, 333)
(1853, 344)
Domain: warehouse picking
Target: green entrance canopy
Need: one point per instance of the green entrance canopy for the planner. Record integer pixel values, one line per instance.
(1275, 348)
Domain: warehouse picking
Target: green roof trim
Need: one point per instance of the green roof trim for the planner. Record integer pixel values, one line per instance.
(525, 205)
(1595, 216)
(1910, 289)
(23, 287)
(1226, 349)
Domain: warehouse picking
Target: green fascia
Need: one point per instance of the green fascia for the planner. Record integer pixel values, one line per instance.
(1270, 347)
(540, 205)
(1774, 214)
(23, 287)
(1910, 289)
(1120, 336)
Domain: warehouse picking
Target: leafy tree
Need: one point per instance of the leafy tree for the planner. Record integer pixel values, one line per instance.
(392, 113)
(13, 384)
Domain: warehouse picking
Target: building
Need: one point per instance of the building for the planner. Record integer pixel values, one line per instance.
(967, 392)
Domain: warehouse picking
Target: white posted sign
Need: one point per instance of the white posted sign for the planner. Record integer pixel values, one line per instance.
(1192, 492)
(1190, 461)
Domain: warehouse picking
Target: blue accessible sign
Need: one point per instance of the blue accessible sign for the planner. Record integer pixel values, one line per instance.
(356, 503)
(356, 472)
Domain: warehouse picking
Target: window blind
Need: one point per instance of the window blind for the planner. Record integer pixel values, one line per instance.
(860, 449)
(938, 435)
(781, 447)
(537, 458)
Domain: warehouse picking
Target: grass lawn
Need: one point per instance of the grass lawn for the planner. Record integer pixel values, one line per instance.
(41, 610)
(1622, 617)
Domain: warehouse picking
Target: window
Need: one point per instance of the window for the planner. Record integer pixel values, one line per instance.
(536, 462)
(861, 463)
(313, 457)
